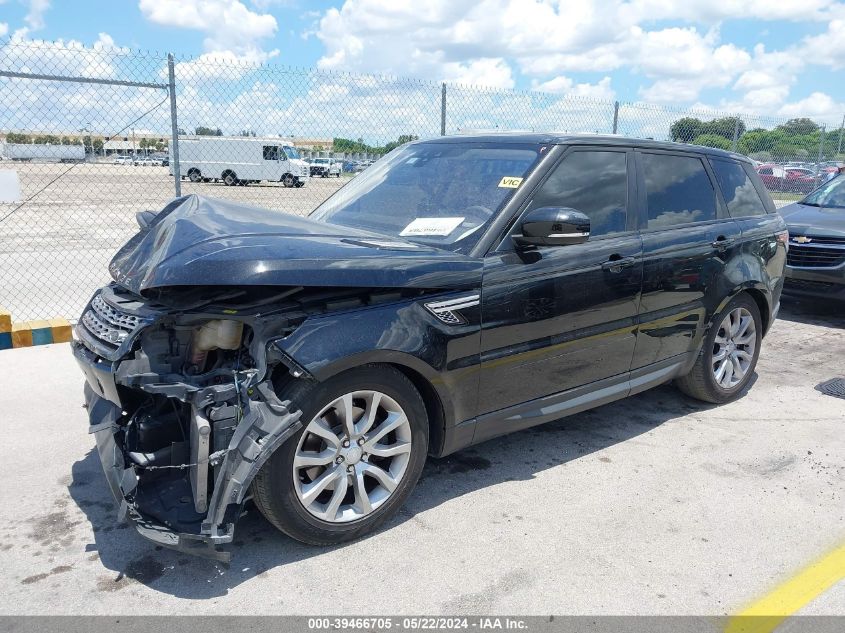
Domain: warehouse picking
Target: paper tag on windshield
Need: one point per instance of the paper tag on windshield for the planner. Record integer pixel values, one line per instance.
(431, 226)
(510, 182)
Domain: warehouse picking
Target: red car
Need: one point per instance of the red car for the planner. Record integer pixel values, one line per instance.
(779, 178)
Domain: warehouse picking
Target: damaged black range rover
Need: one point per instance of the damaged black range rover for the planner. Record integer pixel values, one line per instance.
(457, 290)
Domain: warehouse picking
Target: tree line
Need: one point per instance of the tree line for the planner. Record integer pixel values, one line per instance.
(92, 145)
(798, 138)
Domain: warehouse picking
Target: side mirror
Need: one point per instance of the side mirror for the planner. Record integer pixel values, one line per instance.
(145, 218)
(553, 226)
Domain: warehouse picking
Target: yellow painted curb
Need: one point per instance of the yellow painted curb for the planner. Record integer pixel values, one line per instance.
(5, 321)
(765, 615)
(21, 335)
(38, 332)
(62, 331)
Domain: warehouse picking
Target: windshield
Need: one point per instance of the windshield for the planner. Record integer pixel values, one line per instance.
(440, 194)
(290, 152)
(830, 194)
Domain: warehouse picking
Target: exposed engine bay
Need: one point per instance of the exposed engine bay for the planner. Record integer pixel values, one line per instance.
(182, 398)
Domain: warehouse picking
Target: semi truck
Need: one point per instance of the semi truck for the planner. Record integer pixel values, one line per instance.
(240, 161)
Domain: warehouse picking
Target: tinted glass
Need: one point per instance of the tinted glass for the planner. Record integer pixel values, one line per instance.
(594, 183)
(678, 190)
(271, 152)
(737, 188)
(441, 194)
(830, 194)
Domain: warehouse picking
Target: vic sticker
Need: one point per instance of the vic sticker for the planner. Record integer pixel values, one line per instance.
(510, 182)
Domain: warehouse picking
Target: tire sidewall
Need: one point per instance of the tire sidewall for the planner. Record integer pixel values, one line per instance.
(740, 301)
(311, 402)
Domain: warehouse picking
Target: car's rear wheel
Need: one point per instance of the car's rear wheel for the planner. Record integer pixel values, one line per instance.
(194, 175)
(729, 353)
(230, 178)
(355, 461)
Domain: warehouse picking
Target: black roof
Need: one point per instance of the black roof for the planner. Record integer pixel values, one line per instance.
(553, 138)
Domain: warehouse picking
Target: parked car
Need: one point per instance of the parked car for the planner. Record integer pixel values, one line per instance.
(459, 289)
(815, 264)
(122, 160)
(793, 179)
(324, 167)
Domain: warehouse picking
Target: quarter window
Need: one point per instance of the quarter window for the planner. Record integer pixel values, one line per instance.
(271, 152)
(678, 190)
(594, 183)
(739, 192)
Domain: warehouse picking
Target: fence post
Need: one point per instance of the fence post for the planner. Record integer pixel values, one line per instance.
(821, 153)
(174, 141)
(615, 116)
(443, 110)
(839, 146)
(736, 134)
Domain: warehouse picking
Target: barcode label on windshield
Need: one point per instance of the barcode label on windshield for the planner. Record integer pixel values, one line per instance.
(431, 226)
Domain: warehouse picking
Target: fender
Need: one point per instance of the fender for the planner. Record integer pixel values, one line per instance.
(402, 333)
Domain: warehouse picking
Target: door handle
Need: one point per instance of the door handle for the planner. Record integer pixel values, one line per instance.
(722, 242)
(616, 263)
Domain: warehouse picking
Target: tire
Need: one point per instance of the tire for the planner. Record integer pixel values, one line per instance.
(708, 380)
(230, 179)
(281, 488)
(194, 175)
(288, 180)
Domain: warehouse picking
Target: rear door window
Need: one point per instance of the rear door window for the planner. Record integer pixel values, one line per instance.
(739, 192)
(678, 190)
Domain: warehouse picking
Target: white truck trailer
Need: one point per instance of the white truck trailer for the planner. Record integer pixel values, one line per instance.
(240, 161)
(43, 152)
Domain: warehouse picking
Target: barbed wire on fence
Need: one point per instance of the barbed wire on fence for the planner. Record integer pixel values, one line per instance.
(244, 132)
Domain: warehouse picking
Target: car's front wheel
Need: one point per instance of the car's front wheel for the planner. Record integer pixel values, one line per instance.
(358, 456)
(728, 355)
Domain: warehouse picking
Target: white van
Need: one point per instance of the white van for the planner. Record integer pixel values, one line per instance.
(240, 161)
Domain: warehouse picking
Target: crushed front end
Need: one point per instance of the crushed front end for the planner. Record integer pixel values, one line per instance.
(183, 411)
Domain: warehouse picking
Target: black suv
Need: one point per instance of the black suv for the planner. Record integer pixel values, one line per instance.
(459, 289)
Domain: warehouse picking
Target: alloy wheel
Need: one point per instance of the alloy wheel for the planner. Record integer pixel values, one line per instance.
(733, 348)
(352, 456)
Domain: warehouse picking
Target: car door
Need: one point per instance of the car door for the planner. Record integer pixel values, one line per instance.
(687, 240)
(557, 317)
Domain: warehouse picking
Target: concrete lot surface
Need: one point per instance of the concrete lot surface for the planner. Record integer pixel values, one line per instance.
(55, 249)
(653, 505)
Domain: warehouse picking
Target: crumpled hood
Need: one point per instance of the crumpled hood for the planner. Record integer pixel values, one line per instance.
(201, 241)
(803, 219)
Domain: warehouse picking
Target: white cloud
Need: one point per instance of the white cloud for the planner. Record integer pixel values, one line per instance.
(229, 26)
(565, 85)
(819, 106)
(491, 42)
(34, 19)
(35, 16)
(827, 48)
(4, 28)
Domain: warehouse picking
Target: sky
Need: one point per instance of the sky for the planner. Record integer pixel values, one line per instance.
(778, 58)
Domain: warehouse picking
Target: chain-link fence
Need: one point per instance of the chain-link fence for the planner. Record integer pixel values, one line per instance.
(94, 135)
